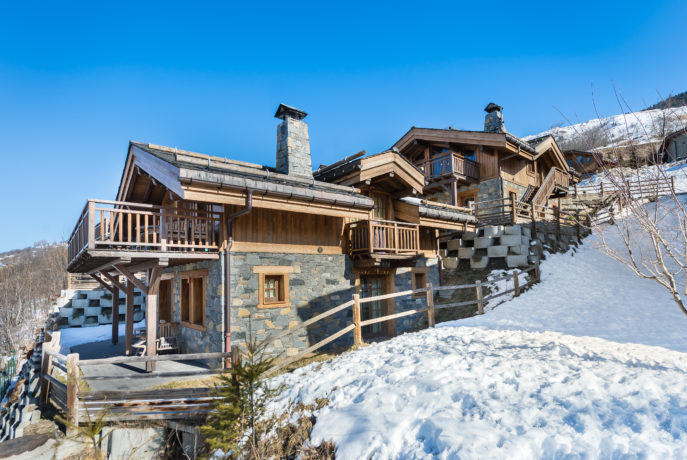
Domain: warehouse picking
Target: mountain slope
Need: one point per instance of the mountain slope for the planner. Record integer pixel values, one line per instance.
(638, 128)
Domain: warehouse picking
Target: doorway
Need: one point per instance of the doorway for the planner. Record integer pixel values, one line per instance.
(370, 286)
(165, 301)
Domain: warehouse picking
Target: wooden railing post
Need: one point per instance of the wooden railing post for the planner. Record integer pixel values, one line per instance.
(163, 229)
(534, 221)
(672, 184)
(516, 283)
(430, 305)
(357, 332)
(480, 303)
(370, 229)
(576, 194)
(46, 369)
(602, 189)
(396, 242)
(558, 220)
(72, 393)
(514, 211)
(91, 224)
(577, 226)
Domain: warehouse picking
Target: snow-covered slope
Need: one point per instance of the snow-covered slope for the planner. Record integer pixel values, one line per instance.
(638, 127)
(590, 363)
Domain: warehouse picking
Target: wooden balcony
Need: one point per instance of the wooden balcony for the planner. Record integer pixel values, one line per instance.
(383, 239)
(450, 164)
(120, 230)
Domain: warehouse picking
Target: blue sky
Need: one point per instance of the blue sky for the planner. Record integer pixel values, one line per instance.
(79, 80)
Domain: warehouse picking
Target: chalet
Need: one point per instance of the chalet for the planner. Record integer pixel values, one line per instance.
(674, 146)
(231, 248)
(462, 168)
(587, 163)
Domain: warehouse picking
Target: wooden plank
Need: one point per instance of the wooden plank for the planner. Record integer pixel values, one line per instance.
(312, 320)
(55, 383)
(152, 374)
(480, 303)
(147, 394)
(72, 393)
(430, 305)
(392, 295)
(394, 316)
(312, 348)
(144, 359)
(357, 335)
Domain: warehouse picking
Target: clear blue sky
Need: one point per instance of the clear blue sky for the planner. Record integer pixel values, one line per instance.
(79, 80)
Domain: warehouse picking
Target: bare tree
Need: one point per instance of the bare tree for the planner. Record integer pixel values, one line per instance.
(650, 232)
(27, 285)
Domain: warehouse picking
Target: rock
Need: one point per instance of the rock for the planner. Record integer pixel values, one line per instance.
(454, 245)
(479, 262)
(135, 443)
(511, 240)
(520, 250)
(493, 231)
(468, 236)
(483, 242)
(497, 251)
(450, 262)
(516, 261)
(525, 240)
(526, 232)
(513, 230)
(465, 253)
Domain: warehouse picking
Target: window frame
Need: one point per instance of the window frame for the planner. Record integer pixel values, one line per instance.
(282, 273)
(424, 273)
(185, 277)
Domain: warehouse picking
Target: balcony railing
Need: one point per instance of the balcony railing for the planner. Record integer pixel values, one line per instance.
(383, 237)
(118, 225)
(450, 163)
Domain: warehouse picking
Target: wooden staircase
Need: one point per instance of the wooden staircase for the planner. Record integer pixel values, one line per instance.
(555, 179)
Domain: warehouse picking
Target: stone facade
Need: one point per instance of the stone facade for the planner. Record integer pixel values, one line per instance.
(211, 338)
(489, 190)
(519, 189)
(403, 282)
(318, 282)
(293, 148)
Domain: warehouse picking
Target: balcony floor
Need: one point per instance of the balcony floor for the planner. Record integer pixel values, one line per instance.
(91, 259)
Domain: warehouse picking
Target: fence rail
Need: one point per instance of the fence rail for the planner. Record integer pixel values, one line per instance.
(639, 188)
(430, 309)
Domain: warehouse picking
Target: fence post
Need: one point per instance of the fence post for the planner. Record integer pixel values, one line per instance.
(672, 184)
(537, 273)
(72, 393)
(558, 221)
(46, 365)
(430, 305)
(480, 303)
(516, 283)
(602, 189)
(577, 195)
(357, 332)
(534, 221)
(577, 225)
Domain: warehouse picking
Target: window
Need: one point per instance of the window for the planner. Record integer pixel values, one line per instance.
(419, 280)
(580, 159)
(193, 286)
(380, 206)
(569, 162)
(273, 286)
(530, 167)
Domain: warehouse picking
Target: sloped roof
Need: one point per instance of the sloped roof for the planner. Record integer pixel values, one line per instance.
(189, 167)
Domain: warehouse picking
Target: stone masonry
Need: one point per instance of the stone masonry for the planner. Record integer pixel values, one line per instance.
(93, 307)
(293, 148)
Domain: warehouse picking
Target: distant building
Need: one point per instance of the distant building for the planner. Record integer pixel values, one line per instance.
(674, 146)
(587, 163)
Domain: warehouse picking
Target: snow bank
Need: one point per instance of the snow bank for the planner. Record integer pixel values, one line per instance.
(463, 392)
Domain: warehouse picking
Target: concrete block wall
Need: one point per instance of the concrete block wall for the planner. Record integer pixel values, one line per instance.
(93, 307)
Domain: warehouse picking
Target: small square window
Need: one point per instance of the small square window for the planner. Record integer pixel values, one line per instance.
(273, 286)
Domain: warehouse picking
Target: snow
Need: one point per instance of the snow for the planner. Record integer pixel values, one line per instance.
(590, 363)
(638, 127)
(73, 336)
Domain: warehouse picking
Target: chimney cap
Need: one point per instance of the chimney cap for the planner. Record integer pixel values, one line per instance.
(286, 111)
(491, 107)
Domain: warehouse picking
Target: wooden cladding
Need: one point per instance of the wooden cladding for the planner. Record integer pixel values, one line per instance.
(450, 163)
(193, 287)
(144, 227)
(383, 236)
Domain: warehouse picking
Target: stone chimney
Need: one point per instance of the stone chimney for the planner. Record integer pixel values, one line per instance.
(493, 120)
(293, 143)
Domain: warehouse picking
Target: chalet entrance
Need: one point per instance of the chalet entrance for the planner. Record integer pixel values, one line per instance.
(370, 286)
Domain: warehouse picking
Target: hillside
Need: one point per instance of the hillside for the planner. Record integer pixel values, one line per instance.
(590, 363)
(642, 128)
(673, 101)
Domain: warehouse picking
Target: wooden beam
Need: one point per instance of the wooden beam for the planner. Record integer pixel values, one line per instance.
(113, 279)
(115, 314)
(109, 265)
(102, 282)
(129, 328)
(130, 277)
(151, 315)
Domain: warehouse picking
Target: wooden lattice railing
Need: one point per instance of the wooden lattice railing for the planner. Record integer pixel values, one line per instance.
(383, 236)
(143, 227)
(450, 163)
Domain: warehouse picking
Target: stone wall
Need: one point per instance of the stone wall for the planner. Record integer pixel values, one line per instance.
(318, 282)
(293, 148)
(210, 339)
(519, 189)
(403, 282)
(489, 190)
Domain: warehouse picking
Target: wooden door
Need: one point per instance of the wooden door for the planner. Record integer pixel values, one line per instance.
(370, 286)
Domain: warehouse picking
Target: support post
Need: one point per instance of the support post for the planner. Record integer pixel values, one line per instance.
(357, 332)
(163, 229)
(115, 315)
(516, 283)
(577, 226)
(46, 369)
(537, 273)
(235, 356)
(151, 316)
(72, 393)
(534, 221)
(129, 329)
(430, 305)
(577, 195)
(480, 303)
(558, 221)
(91, 224)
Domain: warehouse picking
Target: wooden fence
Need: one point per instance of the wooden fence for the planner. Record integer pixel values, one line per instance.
(430, 309)
(61, 376)
(639, 188)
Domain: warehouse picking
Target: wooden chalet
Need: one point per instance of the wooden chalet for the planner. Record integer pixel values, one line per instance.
(231, 248)
(462, 168)
(587, 163)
